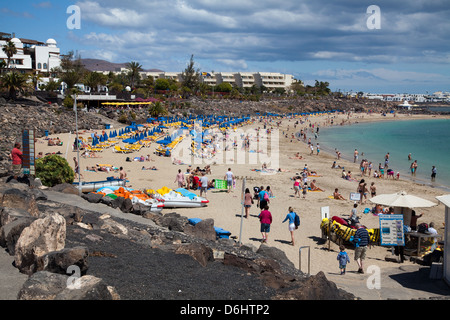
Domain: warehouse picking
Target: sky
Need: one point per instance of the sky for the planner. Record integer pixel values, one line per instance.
(372, 46)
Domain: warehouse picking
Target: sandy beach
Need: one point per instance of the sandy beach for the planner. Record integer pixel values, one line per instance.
(225, 208)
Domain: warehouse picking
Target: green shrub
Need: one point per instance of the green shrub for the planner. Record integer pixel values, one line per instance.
(123, 118)
(53, 170)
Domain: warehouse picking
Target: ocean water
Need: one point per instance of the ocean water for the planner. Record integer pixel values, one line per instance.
(428, 141)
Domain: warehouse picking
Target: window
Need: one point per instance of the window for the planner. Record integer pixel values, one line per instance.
(39, 65)
(45, 66)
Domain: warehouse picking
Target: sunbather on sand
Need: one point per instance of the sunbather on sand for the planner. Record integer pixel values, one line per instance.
(314, 187)
(337, 195)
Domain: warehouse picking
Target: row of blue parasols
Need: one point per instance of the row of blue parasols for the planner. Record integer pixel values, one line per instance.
(133, 139)
(207, 121)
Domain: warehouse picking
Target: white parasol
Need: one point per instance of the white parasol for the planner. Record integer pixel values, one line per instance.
(402, 199)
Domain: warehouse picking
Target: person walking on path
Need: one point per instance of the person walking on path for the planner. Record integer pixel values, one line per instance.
(304, 190)
(180, 179)
(265, 218)
(291, 217)
(361, 240)
(204, 185)
(263, 196)
(343, 259)
(248, 201)
(77, 167)
(17, 159)
(122, 175)
(229, 177)
(297, 187)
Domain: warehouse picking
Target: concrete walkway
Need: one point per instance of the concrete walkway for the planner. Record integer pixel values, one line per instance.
(11, 280)
(402, 282)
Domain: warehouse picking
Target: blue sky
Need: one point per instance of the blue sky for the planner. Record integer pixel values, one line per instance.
(313, 40)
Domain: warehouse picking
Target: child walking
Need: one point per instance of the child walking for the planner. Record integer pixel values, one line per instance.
(343, 259)
(304, 189)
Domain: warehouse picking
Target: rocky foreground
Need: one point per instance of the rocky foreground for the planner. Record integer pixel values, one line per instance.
(71, 253)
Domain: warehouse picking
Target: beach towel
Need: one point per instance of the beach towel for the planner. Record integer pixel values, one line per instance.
(220, 184)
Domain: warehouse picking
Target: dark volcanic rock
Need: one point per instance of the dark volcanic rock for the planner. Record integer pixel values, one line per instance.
(199, 252)
(167, 259)
(316, 288)
(18, 199)
(43, 285)
(203, 229)
(60, 261)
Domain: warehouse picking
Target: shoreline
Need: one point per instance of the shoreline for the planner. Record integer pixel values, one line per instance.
(226, 209)
(420, 181)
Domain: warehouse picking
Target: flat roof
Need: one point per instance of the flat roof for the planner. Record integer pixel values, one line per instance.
(28, 41)
(445, 199)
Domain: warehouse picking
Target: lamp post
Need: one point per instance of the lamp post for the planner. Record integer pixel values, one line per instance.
(78, 149)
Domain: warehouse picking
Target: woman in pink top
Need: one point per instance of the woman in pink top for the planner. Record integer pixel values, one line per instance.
(265, 217)
(180, 179)
(248, 201)
(297, 186)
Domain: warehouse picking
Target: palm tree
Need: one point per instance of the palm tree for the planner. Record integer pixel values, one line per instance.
(10, 50)
(2, 65)
(94, 79)
(157, 109)
(135, 68)
(14, 82)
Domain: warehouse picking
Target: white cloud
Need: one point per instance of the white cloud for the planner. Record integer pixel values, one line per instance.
(236, 64)
(45, 5)
(238, 33)
(112, 17)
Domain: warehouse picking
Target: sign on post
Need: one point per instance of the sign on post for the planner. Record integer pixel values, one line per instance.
(28, 151)
(355, 196)
(325, 212)
(391, 230)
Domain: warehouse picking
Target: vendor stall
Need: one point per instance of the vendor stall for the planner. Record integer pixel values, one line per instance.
(445, 199)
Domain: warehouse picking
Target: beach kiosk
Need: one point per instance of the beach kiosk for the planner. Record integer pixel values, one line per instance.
(445, 199)
(403, 205)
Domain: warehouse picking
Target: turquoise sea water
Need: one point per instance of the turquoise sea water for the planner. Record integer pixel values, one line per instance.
(428, 141)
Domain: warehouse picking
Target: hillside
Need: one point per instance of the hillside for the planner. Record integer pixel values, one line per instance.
(103, 65)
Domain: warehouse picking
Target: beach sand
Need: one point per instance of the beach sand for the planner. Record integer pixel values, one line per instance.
(225, 208)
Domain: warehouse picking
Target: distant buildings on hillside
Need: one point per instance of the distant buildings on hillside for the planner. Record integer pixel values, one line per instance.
(411, 98)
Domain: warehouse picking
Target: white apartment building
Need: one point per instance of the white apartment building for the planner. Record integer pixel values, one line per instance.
(270, 80)
(273, 80)
(31, 55)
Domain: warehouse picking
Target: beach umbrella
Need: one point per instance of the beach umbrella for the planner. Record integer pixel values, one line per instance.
(403, 200)
(129, 140)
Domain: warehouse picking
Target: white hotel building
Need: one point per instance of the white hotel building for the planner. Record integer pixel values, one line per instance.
(270, 80)
(32, 55)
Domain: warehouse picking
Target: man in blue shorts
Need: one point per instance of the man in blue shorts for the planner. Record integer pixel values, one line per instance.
(361, 238)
